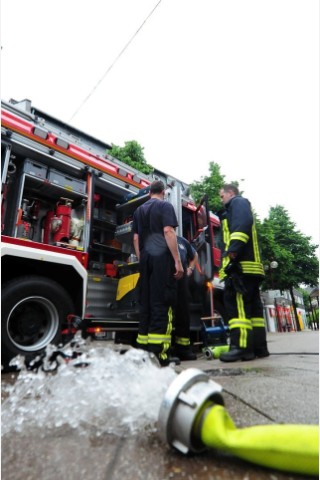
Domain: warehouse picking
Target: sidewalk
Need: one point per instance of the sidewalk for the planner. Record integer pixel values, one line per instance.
(282, 388)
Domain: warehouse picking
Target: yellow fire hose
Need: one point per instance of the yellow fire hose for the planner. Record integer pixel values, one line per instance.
(192, 418)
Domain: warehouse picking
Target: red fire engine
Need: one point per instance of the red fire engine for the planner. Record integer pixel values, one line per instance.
(67, 249)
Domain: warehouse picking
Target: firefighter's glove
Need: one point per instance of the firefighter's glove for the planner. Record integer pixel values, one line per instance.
(238, 285)
(235, 282)
(235, 278)
(233, 268)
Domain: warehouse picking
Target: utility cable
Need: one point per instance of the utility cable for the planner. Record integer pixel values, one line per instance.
(115, 60)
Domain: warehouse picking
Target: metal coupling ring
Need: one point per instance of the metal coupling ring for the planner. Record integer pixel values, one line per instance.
(184, 400)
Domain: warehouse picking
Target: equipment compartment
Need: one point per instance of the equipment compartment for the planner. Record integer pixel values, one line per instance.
(64, 181)
(35, 169)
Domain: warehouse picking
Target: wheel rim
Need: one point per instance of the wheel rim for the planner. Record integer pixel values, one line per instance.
(33, 323)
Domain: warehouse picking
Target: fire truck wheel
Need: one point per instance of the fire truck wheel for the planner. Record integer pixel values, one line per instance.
(33, 309)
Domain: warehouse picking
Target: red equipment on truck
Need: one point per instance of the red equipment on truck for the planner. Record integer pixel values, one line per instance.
(67, 248)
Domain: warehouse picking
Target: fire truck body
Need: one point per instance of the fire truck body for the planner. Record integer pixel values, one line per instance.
(67, 246)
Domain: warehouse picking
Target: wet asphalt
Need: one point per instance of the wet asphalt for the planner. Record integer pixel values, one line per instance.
(282, 388)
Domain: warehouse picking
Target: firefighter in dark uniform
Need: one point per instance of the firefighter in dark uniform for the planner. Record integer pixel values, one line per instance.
(160, 267)
(242, 272)
(182, 346)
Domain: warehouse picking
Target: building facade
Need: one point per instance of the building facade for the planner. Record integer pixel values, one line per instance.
(279, 312)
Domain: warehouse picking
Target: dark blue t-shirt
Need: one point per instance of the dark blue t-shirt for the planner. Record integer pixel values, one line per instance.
(149, 221)
(187, 252)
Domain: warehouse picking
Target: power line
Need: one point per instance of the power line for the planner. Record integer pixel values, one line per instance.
(114, 62)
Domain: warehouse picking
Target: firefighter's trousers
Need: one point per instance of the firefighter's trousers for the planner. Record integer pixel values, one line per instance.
(245, 315)
(182, 314)
(157, 294)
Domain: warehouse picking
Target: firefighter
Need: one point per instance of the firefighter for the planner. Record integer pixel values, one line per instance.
(182, 346)
(155, 244)
(242, 272)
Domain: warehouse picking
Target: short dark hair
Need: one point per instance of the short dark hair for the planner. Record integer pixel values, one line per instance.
(157, 186)
(227, 187)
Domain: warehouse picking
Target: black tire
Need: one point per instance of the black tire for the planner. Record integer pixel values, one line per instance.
(32, 313)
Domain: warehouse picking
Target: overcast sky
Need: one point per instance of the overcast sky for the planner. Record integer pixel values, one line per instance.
(235, 82)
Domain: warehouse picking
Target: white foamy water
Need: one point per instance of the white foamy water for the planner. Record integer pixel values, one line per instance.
(116, 393)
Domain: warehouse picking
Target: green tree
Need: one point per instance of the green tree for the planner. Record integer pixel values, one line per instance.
(292, 250)
(131, 154)
(295, 254)
(209, 185)
(307, 305)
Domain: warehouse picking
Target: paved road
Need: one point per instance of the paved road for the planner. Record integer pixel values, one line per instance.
(281, 388)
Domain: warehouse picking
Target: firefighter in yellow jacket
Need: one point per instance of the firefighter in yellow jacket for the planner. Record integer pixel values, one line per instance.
(242, 272)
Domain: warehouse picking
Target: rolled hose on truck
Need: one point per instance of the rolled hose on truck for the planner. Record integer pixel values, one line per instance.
(192, 418)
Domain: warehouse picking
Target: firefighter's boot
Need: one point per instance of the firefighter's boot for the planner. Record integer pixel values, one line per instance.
(184, 353)
(160, 346)
(241, 342)
(182, 349)
(260, 348)
(142, 342)
(165, 362)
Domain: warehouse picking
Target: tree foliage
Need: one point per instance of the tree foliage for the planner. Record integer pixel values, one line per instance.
(292, 250)
(209, 185)
(132, 154)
